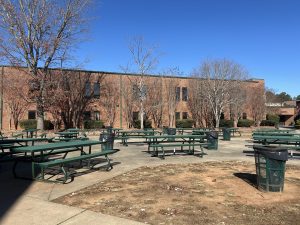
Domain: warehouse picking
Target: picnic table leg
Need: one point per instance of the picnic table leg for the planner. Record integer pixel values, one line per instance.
(109, 166)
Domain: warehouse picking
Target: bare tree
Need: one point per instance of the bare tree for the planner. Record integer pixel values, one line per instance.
(256, 104)
(171, 101)
(198, 105)
(238, 98)
(71, 93)
(15, 97)
(154, 103)
(36, 34)
(221, 77)
(109, 99)
(145, 60)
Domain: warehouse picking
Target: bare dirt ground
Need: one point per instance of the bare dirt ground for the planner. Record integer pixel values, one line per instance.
(204, 193)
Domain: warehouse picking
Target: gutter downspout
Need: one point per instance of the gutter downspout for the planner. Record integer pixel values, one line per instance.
(121, 101)
(1, 98)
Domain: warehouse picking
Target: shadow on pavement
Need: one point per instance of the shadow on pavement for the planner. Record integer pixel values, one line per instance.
(11, 189)
(249, 178)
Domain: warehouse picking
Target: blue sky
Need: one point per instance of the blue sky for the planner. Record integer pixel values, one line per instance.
(261, 35)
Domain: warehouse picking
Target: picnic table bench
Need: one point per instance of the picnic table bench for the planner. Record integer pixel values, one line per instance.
(288, 140)
(125, 135)
(186, 144)
(30, 133)
(39, 156)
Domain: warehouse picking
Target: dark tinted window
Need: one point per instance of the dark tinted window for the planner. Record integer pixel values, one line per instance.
(87, 115)
(184, 115)
(184, 94)
(97, 90)
(87, 89)
(177, 92)
(32, 115)
(177, 115)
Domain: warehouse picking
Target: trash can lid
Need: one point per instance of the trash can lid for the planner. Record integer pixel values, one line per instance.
(269, 148)
(272, 152)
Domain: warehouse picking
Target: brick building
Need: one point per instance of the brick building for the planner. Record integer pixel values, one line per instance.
(122, 84)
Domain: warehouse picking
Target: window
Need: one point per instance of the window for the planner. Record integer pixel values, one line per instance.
(184, 115)
(177, 115)
(96, 89)
(177, 92)
(184, 94)
(86, 115)
(135, 92)
(244, 116)
(96, 115)
(222, 117)
(87, 89)
(32, 115)
(135, 116)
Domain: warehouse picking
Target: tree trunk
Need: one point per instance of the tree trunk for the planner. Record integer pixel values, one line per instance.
(142, 116)
(217, 118)
(40, 114)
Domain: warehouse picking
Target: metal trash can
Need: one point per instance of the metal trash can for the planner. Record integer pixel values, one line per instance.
(226, 134)
(270, 167)
(165, 130)
(171, 131)
(212, 140)
(109, 129)
(108, 138)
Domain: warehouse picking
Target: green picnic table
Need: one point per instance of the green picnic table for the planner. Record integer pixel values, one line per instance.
(289, 140)
(125, 135)
(156, 142)
(38, 155)
(67, 134)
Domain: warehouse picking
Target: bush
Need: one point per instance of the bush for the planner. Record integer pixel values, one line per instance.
(273, 117)
(186, 123)
(245, 123)
(297, 124)
(268, 123)
(93, 124)
(48, 125)
(28, 124)
(137, 124)
(226, 123)
(32, 124)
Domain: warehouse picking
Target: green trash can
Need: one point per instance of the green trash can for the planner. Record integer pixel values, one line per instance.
(226, 134)
(212, 140)
(171, 131)
(270, 167)
(108, 139)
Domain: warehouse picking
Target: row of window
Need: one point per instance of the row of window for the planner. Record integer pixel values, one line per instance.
(137, 93)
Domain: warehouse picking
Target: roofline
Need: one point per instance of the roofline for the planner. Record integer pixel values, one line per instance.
(251, 80)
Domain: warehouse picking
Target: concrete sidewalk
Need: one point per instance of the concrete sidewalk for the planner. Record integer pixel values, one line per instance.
(27, 202)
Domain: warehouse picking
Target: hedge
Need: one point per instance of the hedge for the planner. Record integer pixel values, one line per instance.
(245, 123)
(93, 124)
(226, 123)
(32, 124)
(137, 124)
(268, 123)
(273, 117)
(297, 124)
(186, 123)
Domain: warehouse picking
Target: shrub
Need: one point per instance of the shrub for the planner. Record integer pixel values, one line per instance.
(48, 125)
(32, 124)
(226, 123)
(297, 124)
(28, 124)
(137, 124)
(245, 123)
(268, 123)
(273, 117)
(186, 123)
(93, 124)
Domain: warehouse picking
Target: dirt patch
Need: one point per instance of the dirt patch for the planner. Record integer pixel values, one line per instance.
(204, 193)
